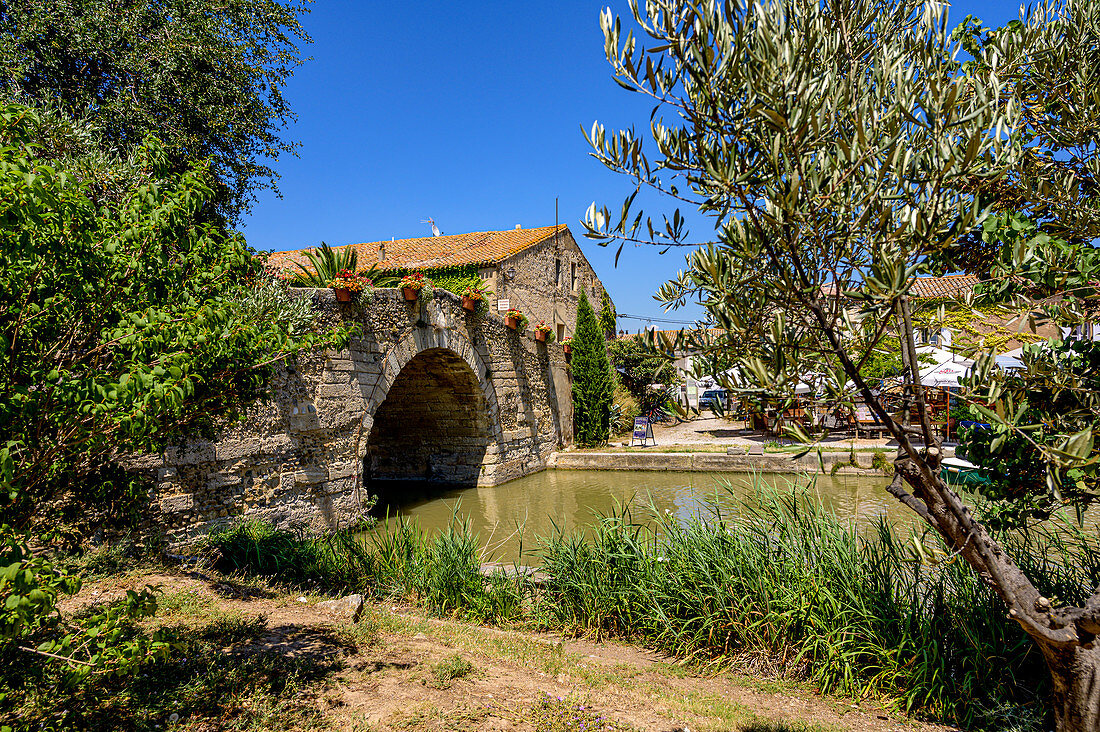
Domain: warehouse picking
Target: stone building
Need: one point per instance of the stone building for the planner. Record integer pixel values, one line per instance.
(540, 271)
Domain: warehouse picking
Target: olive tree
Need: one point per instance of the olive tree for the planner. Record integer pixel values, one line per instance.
(842, 147)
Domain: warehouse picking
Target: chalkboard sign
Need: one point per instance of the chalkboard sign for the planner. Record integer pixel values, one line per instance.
(643, 431)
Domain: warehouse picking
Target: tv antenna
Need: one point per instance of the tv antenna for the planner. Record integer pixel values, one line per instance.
(435, 229)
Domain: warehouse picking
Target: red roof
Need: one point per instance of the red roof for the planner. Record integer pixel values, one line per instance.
(922, 288)
(955, 285)
(429, 252)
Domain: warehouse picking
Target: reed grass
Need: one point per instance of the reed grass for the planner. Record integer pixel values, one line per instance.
(396, 560)
(779, 585)
(783, 585)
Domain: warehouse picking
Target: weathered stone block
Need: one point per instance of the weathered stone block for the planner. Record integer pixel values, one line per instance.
(196, 453)
(235, 449)
(310, 475)
(180, 503)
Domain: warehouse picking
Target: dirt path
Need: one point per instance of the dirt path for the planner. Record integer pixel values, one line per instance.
(397, 669)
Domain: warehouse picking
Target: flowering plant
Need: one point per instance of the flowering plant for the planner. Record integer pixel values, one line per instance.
(414, 281)
(518, 316)
(346, 279)
(474, 292)
(567, 341)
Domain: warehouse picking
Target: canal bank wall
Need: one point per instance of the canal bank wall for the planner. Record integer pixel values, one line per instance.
(712, 462)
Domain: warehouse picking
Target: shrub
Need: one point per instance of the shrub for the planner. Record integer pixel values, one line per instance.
(449, 669)
(879, 461)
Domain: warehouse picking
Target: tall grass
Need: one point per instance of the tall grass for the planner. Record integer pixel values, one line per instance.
(786, 586)
(396, 560)
(780, 585)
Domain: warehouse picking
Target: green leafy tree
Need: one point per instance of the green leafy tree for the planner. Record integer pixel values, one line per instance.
(206, 78)
(592, 384)
(33, 632)
(122, 327)
(840, 149)
(640, 368)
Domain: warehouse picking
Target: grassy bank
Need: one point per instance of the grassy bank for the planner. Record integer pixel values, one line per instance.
(781, 587)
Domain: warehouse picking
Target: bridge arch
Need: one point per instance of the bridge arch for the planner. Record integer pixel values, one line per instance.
(431, 419)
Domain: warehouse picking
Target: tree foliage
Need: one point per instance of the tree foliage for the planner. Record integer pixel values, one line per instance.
(640, 367)
(592, 384)
(841, 149)
(206, 78)
(122, 327)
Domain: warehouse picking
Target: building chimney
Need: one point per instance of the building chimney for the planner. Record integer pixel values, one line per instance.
(382, 252)
(519, 226)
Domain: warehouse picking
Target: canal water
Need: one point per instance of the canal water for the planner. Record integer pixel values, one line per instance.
(512, 516)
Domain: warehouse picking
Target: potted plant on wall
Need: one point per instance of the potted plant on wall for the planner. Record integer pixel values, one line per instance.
(472, 297)
(515, 319)
(346, 283)
(544, 332)
(412, 283)
(567, 345)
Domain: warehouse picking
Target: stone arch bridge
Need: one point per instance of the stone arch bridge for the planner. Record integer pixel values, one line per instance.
(428, 395)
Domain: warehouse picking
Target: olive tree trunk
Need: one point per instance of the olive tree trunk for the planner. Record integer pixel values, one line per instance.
(1075, 698)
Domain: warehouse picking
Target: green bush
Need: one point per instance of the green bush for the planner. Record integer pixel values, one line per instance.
(879, 461)
(334, 562)
(396, 559)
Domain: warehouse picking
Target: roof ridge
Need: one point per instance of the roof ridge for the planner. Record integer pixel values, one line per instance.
(468, 248)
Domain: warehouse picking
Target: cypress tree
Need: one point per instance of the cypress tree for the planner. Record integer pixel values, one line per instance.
(592, 386)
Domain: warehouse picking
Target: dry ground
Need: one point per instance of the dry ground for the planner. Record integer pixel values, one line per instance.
(397, 669)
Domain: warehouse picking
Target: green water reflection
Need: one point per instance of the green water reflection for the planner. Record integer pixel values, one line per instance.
(574, 498)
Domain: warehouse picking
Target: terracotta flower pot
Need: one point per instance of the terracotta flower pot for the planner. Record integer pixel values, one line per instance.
(568, 348)
(411, 293)
(343, 294)
(469, 303)
(512, 323)
(540, 335)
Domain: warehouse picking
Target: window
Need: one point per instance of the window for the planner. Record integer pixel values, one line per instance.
(561, 332)
(557, 272)
(573, 276)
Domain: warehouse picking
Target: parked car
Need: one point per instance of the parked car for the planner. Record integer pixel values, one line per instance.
(713, 399)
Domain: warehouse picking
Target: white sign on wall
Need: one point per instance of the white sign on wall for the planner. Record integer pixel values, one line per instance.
(503, 304)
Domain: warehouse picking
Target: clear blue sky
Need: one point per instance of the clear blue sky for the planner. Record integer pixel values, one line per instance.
(468, 113)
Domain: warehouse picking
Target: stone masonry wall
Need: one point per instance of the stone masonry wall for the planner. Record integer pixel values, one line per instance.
(542, 284)
(298, 458)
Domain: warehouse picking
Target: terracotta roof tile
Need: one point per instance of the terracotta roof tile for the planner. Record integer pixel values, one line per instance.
(429, 252)
(954, 285)
(947, 286)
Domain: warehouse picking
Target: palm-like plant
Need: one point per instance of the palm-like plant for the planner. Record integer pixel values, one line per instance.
(322, 265)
